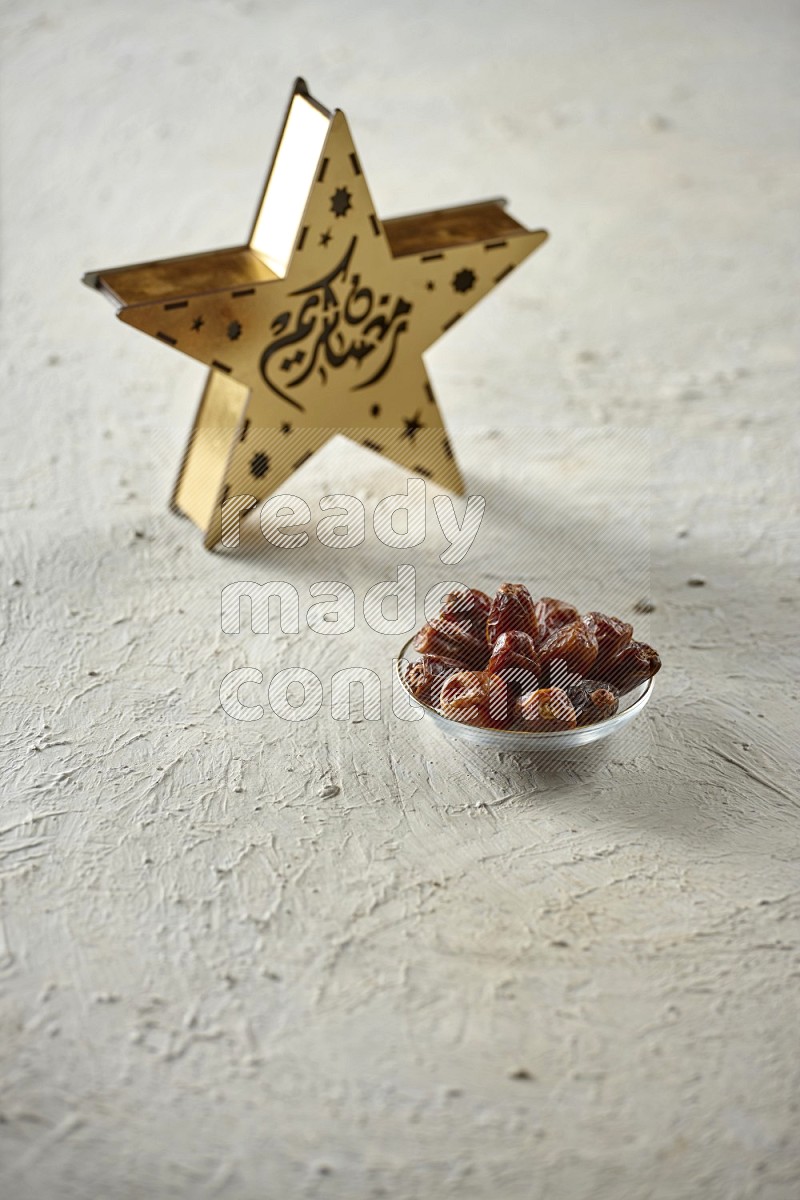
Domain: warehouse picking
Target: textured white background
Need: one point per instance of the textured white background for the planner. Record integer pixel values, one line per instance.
(216, 977)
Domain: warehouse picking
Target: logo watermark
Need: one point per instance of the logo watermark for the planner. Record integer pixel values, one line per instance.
(388, 606)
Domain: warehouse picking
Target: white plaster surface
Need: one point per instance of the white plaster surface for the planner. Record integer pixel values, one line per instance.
(348, 959)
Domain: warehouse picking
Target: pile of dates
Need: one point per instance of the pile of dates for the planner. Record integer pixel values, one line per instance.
(513, 662)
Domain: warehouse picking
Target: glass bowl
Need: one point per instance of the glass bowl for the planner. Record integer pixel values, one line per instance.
(630, 705)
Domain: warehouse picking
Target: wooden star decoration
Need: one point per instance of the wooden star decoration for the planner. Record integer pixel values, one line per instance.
(318, 324)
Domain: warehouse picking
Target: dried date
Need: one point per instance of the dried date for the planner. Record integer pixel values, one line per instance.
(512, 608)
(592, 700)
(552, 614)
(419, 681)
(452, 639)
(476, 698)
(611, 633)
(426, 677)
(631, 665)
(546, 709)
(470, 605)
(515, 660)
(572, 645)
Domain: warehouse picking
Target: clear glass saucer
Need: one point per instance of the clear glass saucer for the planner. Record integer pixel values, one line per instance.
(630, 705)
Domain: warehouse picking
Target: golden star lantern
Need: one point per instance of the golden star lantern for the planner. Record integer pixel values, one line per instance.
(318, 324)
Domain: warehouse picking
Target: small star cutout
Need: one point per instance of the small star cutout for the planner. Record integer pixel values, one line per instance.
(259, 465)
(197, 323)
(411, 426)
(341, 202)
(234, 330)
(464, 280)
(325, 237)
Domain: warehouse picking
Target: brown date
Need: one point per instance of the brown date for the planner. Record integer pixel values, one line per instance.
(573, 645)
(544, 710)
(552, 614)
(440, 664)
(592, 700)
(611, 633)
(419, 681)
(452, 639)
(471, 606)
(426, 677)
(632, 665)
(476, 698)
(515, 660)
(512, 609)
